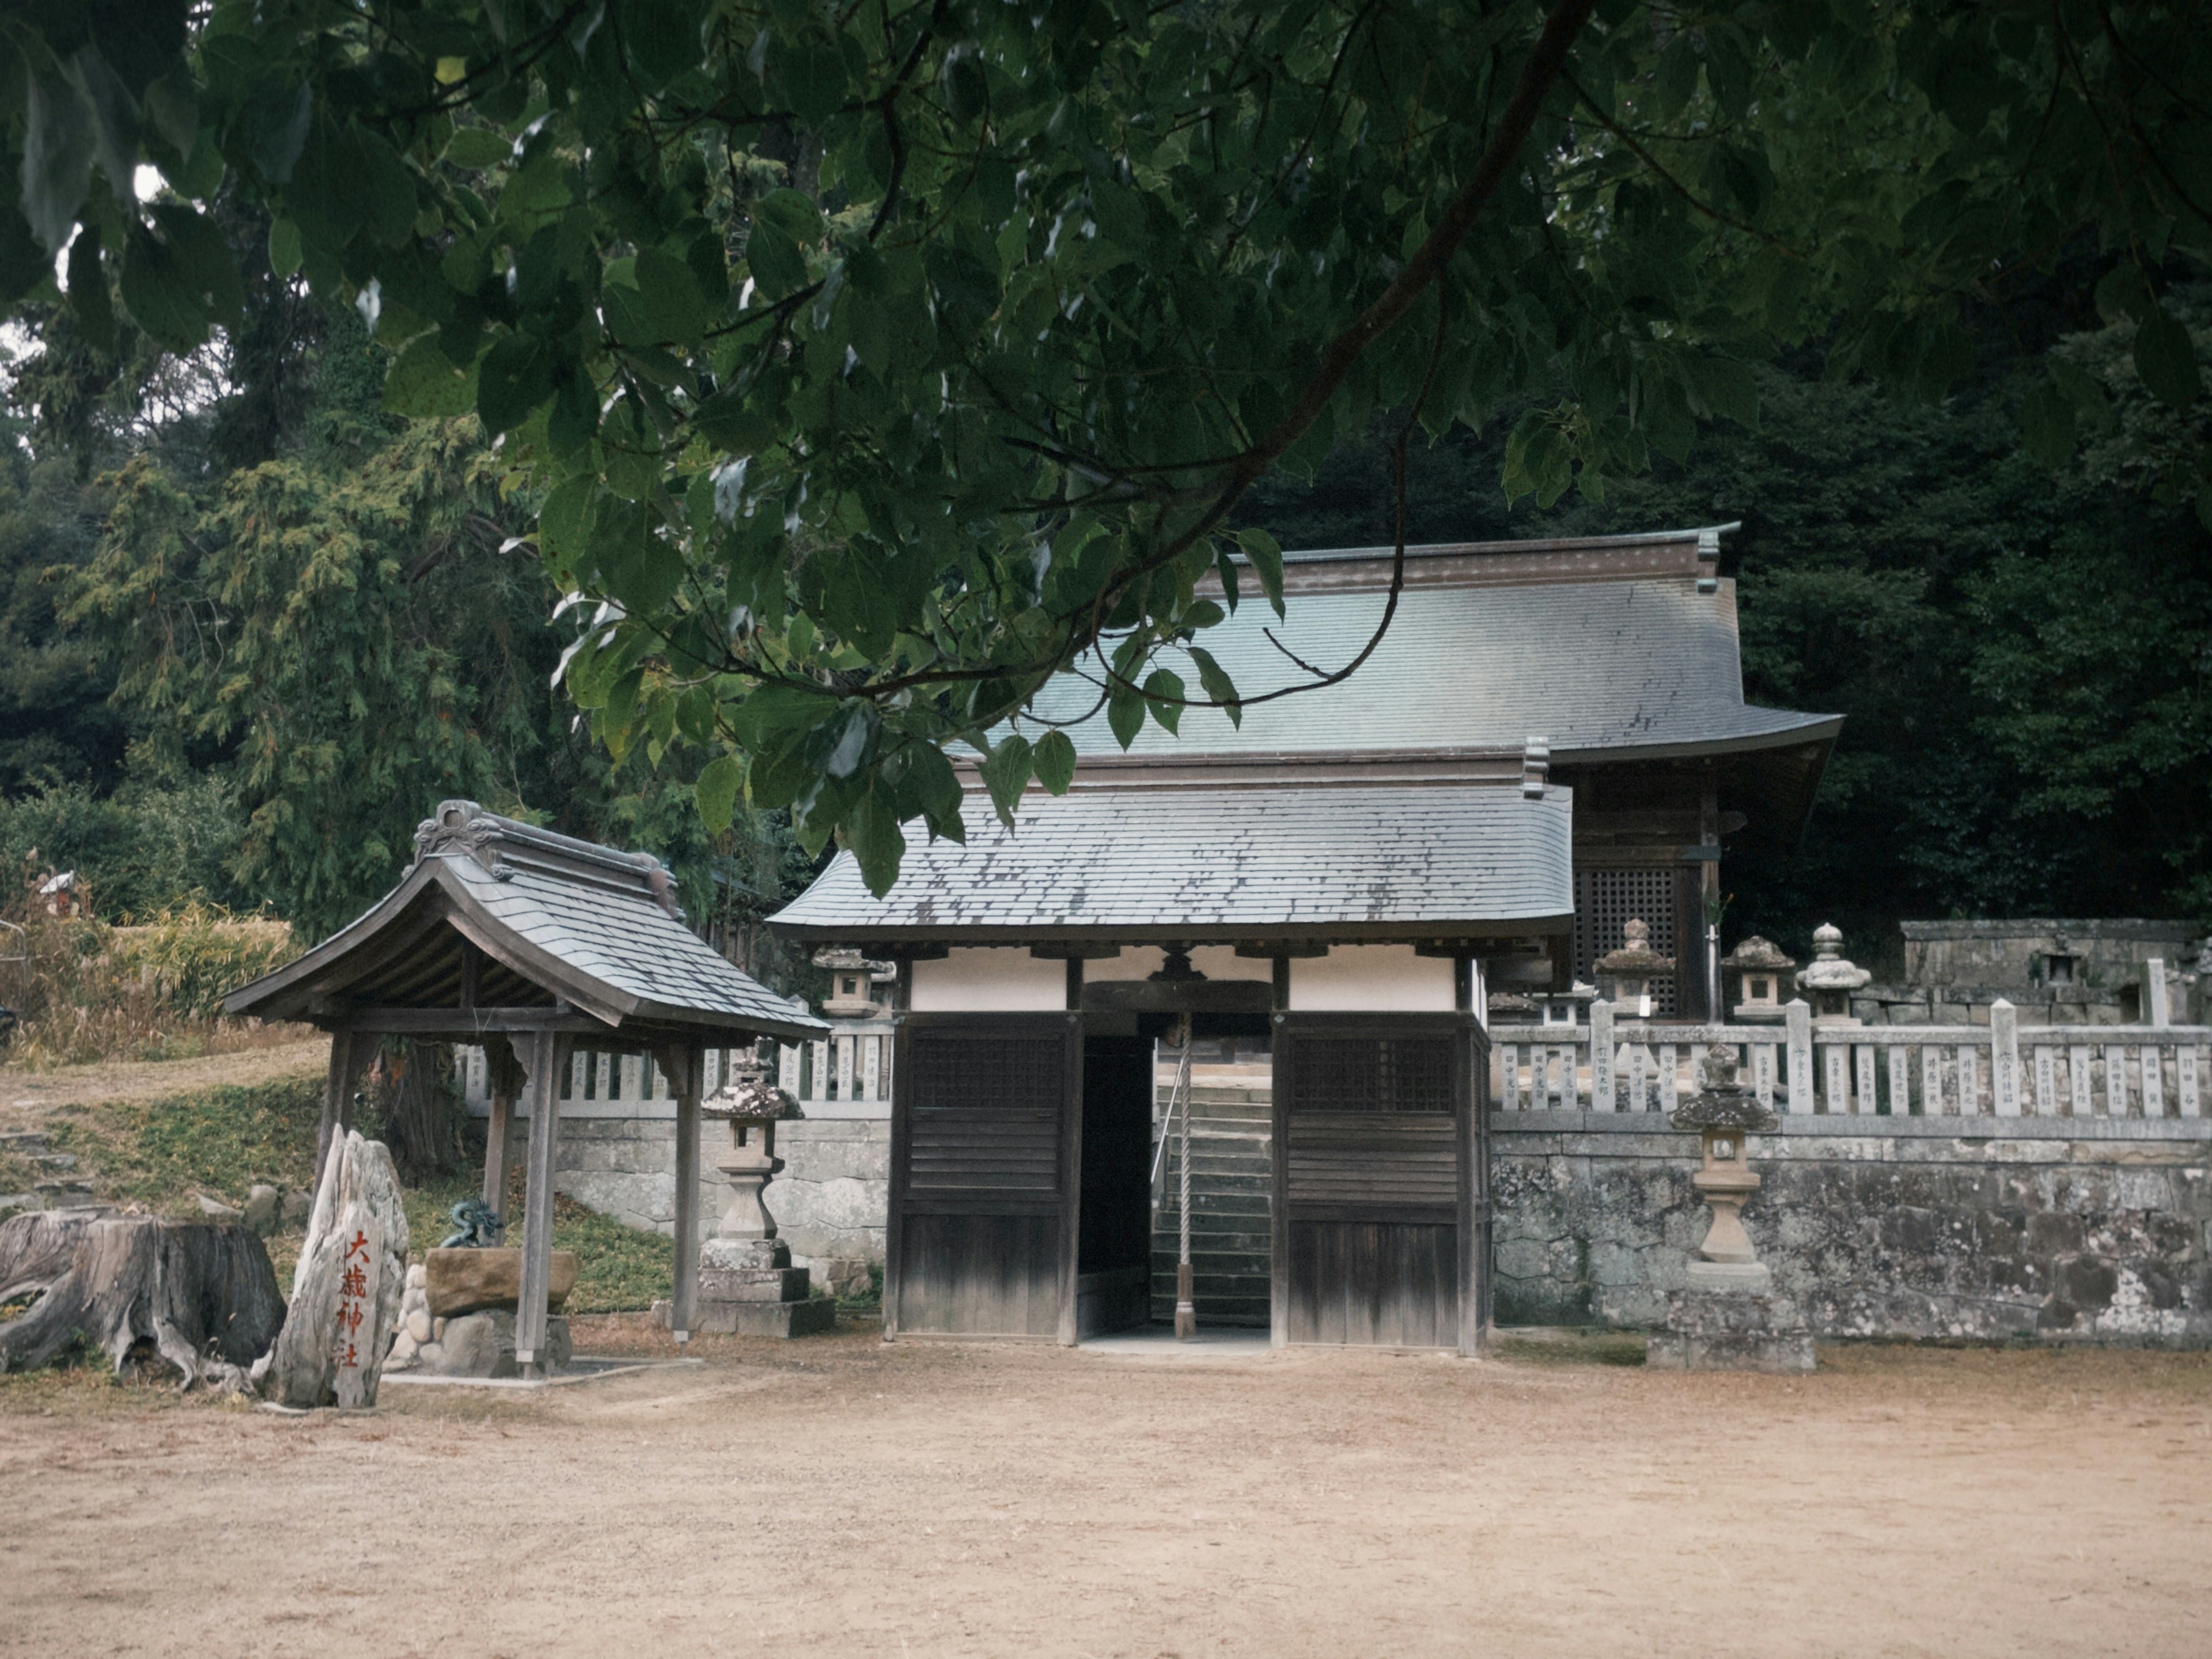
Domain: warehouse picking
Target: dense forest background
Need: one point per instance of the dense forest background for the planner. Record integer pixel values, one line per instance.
(252, 629)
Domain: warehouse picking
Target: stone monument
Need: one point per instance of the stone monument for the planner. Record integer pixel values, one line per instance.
(1728, 1316)
(746, 1282)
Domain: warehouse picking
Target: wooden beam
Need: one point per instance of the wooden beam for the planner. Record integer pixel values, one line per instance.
(546, 1055)
(468, 1025)
(337, 1098)
(685, 1067)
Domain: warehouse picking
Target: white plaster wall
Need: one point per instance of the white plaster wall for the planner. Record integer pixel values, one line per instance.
(1371, 979)
(1214, 961)
(989, 979)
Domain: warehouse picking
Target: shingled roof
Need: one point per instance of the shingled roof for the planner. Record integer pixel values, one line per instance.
(1198, 865)
(496, 914)
(1642, 668)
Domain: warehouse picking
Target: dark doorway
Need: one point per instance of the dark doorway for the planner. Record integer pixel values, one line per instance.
(1113, 1260)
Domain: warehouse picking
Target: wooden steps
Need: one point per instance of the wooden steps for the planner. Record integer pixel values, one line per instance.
(1232, 1181)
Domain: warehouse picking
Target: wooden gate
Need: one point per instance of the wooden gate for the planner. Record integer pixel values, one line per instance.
(1381, 1232)
(986, 1148)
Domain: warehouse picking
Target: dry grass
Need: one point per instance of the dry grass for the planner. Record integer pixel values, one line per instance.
(87, 991)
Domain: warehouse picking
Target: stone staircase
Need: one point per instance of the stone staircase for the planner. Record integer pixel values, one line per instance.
(1230, 1181)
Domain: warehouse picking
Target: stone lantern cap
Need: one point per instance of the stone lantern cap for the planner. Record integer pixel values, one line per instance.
(1636, 959)
(1756, 955)
(1721, 1102)
(1829, 971)
(747, 1097)
(855, 962)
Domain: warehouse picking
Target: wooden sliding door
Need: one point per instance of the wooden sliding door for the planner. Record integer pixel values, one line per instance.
(1380, 1229)
(985, 1147)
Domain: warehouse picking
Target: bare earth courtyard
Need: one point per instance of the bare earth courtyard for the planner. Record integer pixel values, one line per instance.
(839, 1497)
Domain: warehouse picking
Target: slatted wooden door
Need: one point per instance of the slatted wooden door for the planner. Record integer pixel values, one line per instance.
(1379, 1227)
(986, 1148)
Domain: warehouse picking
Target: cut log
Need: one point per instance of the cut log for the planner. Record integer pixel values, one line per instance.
(203, 1297)
(352, 1268)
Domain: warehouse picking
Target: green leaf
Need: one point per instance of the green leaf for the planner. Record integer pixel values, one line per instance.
(157, 295)
(2165, 357)
(1726, 387)
(871, 834)
(1164, 691)
(1266, 558)
(1217, 684)
(716, 792)
(422, 381)
(1005, 773)
(792, 212)
(58, 151)
(674, 307)
(284, 254)
(1054, 759)
(564, 523)
(776, 264)
(1125, 713)
(88, 290)
(1225, 566)
(477, 148)
(2047, 424)
(515, 376)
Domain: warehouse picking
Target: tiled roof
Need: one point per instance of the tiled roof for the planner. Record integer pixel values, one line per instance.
(556, 917)
(628, 944)
(1198, 864)
(1594, 666)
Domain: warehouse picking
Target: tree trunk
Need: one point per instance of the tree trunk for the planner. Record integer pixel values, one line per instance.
(419, 1107)
(204, 1295)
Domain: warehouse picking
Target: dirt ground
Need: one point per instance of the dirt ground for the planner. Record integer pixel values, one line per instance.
(839, 1497)
(27, 1096)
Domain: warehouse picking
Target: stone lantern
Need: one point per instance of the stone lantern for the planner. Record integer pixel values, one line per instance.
(1757, 971)
(1567, 1007)
(853, 982)
(1625, 975)
(1727, 1316)
(1724, 1111)
(1830, 979)
(746, 1281)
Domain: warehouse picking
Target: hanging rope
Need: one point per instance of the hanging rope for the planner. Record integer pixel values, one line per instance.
(1186, 1323)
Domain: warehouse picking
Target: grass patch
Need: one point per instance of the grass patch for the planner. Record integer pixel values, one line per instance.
(220, 1141)
(619, 1268)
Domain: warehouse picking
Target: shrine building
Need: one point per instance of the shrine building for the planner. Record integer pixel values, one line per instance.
(1550, 739)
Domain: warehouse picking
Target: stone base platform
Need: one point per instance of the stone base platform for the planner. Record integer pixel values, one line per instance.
(811, 1318)
(1731, 1330)
(479, 1344)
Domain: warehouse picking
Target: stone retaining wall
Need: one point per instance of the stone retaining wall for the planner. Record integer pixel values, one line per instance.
(2100, 1236)
(828, 1202)
(2097, 1230)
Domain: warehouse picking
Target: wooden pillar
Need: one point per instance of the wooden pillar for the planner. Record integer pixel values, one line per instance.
(338, 1097)
(504, 1071)
(1708, 950)
(686, 1068)
(545, 1053)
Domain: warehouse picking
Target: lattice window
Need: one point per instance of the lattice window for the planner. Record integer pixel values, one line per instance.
(985, 1116)
(1606, 901)
(989, 1073)
(1371, 1074)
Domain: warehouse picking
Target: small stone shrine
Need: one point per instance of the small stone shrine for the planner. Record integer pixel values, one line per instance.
(1728, 1316)
(747, 1285)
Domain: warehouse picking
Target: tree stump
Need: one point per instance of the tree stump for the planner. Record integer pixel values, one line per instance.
(204, 1295)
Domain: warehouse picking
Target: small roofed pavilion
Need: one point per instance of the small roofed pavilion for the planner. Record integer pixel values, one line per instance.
(527, 943)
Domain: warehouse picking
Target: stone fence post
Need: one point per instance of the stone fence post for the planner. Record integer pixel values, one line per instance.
(1797, 1015)
(1601, 1077)
(2004, 1059)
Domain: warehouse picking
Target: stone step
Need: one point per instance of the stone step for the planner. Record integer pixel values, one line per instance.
(1215, 1311)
